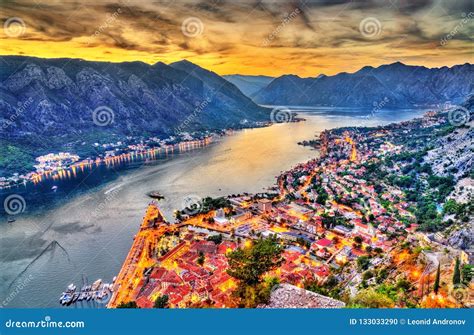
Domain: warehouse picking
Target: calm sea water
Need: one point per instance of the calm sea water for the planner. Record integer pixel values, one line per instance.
(85, 228)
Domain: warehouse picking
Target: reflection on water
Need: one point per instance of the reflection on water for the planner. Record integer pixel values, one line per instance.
(81, 169)
(85, 228)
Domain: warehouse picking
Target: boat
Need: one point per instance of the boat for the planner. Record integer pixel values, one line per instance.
(96, 284)
(71, 288)
(54, 188)
(155, 195)
(66, 299)
(11, 220)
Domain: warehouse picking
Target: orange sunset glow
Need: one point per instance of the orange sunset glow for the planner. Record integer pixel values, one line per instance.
(271, 37)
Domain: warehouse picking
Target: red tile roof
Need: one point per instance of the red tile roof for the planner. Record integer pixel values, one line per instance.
(324, 242)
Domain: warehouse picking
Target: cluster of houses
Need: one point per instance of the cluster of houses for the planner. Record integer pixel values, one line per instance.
(191, 272)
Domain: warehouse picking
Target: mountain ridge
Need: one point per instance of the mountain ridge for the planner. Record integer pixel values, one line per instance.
(402, 85)
(248, 84)
(153, 98)
(71, 105)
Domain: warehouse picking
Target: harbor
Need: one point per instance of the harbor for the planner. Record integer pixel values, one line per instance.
(96, 292)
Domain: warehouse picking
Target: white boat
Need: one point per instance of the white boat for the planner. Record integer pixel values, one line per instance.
(96, 284)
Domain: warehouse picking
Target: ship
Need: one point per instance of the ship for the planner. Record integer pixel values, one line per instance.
(96, 285)
(155, 195)
(98, 291)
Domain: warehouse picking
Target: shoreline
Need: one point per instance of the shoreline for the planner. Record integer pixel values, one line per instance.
(332, 143)
(150, 153)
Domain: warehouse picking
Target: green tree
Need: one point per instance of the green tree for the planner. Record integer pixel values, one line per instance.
(217, 239)
(249, 264)
(161, 301)
(363, 262)
(467, 273)
(369, 298)
(457, 272)
(450, 207)
(436, 283)
(201, 258)
(130, 304)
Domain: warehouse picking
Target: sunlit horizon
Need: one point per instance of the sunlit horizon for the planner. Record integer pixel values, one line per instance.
(305, 38)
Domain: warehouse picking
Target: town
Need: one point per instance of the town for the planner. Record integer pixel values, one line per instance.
(339, 231)
(64, 165)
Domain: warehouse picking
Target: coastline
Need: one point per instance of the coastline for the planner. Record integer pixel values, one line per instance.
(332, 143)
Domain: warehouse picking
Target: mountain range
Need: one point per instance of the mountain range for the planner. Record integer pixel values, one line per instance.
(67, 104)
(249, 85)
(397, 84)
(54, 96)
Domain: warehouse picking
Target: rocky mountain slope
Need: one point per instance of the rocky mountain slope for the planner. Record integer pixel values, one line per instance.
(52, 97)
(398, 84)
(454, 153)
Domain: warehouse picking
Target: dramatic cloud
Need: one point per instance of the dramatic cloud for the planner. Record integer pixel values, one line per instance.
(243, 36)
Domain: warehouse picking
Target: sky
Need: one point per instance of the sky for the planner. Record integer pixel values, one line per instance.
(266, 37)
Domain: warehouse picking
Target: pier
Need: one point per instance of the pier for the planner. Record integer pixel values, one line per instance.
(98, 291)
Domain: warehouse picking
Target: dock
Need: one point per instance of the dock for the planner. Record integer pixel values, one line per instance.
(98, 291)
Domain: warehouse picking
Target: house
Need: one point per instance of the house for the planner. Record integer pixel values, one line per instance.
(323, 243)
(220, 218)
(264, 205)
(144, 302)
(240, 217)
(341, 230)
(361, 228)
